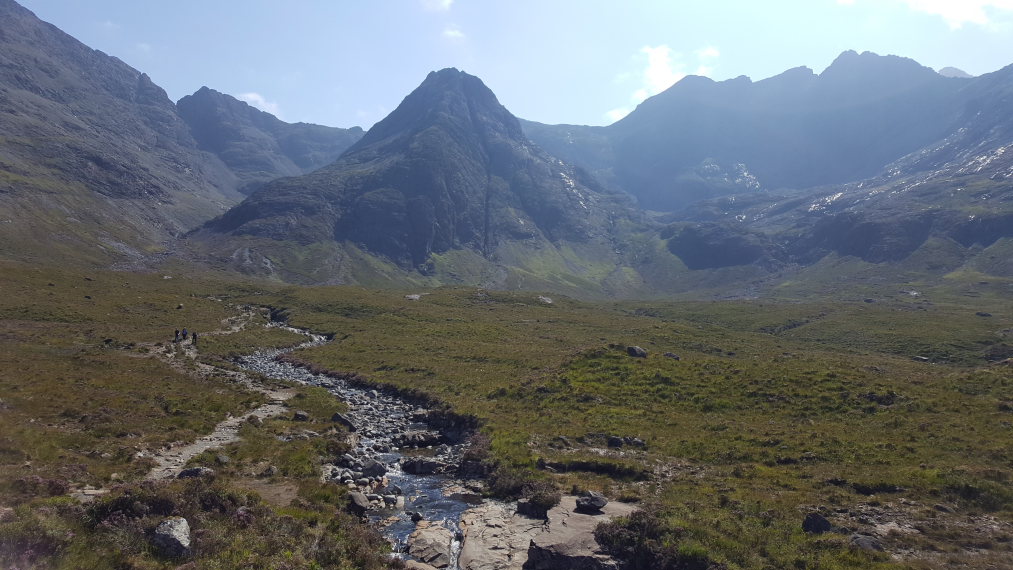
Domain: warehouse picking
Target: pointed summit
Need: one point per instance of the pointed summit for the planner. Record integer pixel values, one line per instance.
(451, 99)
(449, 170)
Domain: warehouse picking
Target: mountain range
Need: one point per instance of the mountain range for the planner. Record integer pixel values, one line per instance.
(723, 186)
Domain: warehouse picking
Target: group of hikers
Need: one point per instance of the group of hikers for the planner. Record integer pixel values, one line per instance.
(182, 336)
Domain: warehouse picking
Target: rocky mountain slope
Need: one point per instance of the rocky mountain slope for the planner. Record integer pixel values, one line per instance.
(99, 166)
(448, 187)
(702, 138)
(91, 151)
(257, 146)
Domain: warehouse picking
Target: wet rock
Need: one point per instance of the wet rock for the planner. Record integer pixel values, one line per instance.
(983, 314)
(592, 502)
(358, 504)
(421, 465)
(614, 441)
(636, 352)
(340, 419)
(672, 355)
(416, 439)
(416, 517)
(300, 416)
(416, 565)
(816, 523)
(196, 472)
(431, 544)
(172, 537)
(371, 468)
(865, 542)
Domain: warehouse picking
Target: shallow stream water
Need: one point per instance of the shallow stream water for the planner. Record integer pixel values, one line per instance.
(379, 419)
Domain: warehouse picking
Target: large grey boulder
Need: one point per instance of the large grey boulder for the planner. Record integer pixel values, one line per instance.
(431, 543)
(338, 418)
(421, 465)
(195, 473)
(172, 537)
(636, 352)
(591, 503)
(372, 468)
(358, 504)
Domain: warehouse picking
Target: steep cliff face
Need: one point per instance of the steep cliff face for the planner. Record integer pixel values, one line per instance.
(257, 146)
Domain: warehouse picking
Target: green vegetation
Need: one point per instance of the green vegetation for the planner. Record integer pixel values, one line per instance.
(91, 384)
(774, 408)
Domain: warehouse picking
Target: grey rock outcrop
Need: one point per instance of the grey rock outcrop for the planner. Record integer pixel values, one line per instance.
(636, 352)
(196, 472)
(172, 537)
(816, 523)
(340, 419)
(431, 544)
(496, 538)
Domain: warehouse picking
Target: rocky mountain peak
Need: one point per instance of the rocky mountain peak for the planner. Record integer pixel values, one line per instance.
(450, 99)
(449, 170)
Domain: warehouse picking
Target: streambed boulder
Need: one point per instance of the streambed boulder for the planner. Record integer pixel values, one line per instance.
(358, 504)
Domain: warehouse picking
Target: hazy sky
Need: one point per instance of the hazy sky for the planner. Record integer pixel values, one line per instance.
(345, 62)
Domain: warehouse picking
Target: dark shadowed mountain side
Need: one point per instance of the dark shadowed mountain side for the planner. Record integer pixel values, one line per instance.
(702, 138)
(257, 146)
(95, 164)
(445, 189)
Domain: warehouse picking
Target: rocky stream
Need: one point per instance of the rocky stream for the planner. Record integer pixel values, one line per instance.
(403, 473)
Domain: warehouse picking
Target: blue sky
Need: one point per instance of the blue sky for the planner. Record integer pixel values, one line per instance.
(345, 63)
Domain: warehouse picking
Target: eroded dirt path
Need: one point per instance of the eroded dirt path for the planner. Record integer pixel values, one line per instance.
(169, 461)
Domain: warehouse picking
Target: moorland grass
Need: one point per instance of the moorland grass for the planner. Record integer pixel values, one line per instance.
(772, 407)
(775, 406)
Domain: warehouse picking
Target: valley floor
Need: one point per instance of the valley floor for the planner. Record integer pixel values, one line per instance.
(888, 416)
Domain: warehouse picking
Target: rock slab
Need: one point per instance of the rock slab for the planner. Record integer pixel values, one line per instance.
(496, 538)
(430, 543)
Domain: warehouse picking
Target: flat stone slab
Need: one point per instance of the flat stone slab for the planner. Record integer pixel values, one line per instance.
(497, 538)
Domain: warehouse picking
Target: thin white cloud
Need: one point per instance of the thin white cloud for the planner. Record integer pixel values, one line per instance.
(662, 69)
(437, 5)
(661, 73)
(960, 12)
(109, 26)
(143, 47)
(709, 52)
(452, 32)
(257, 100)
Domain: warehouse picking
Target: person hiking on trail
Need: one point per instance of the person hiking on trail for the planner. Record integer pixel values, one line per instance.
(193, 340)
(185, 334)
(176, 338)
